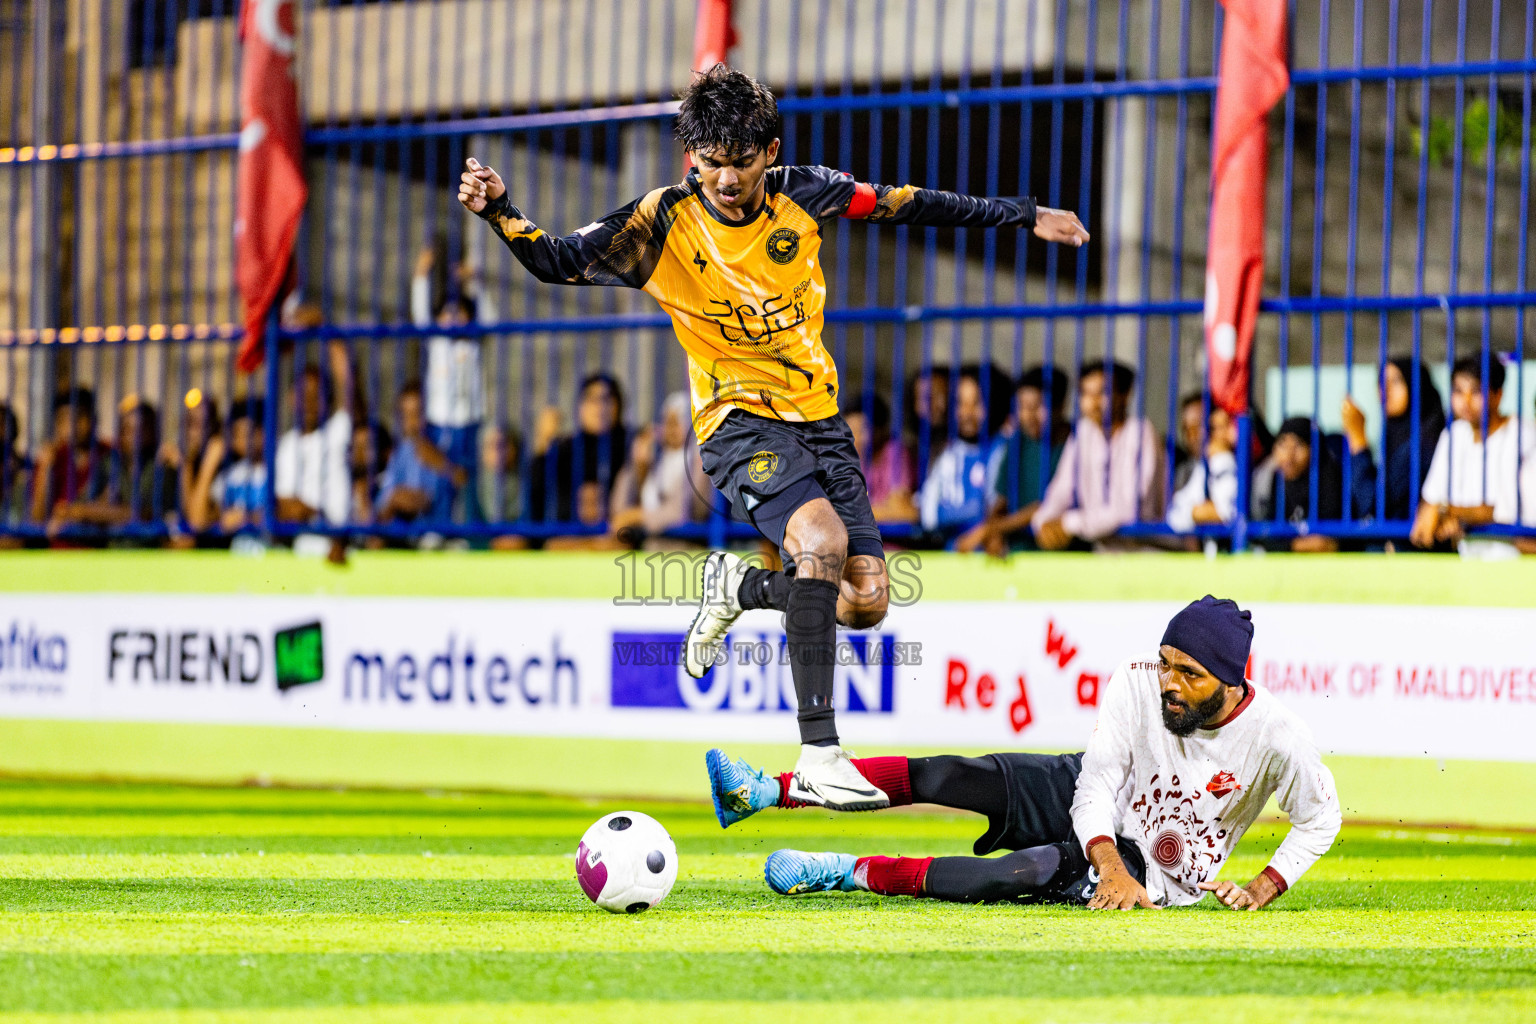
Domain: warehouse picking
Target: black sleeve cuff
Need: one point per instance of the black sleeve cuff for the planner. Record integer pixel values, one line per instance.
(499, 207)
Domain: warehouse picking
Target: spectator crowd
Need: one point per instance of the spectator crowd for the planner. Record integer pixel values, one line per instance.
(972, 459)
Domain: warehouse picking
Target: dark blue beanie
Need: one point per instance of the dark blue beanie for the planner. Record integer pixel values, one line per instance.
(1216, 633)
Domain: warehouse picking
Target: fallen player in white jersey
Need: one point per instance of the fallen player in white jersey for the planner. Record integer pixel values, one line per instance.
(1185, 755)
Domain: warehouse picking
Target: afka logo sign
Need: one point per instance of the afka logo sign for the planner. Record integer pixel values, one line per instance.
(298, 653)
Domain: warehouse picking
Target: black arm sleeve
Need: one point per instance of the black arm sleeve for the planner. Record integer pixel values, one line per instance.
(827, 194)
(621, 248)
(926, 207)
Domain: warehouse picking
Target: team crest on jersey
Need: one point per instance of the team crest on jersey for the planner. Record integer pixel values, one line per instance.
(762, 466)
(1222, 783)
(783, 245)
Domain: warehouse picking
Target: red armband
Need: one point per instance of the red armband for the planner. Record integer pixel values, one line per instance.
(1275, 876)
(1096, 840)
(863, 202)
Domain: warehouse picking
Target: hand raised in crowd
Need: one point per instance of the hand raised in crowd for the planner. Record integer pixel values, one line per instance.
(546, 429)
(425, 261)
(479, 186)
(1059, 226)
(1354, 425)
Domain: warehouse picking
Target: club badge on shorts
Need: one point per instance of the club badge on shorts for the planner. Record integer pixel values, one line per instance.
(783, 245)
(762, 466)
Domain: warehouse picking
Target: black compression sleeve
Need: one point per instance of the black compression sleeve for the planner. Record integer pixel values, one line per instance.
(984, 879)
(810, 625)
(925, 207)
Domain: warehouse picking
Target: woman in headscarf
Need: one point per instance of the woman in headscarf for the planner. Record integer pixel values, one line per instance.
(1403, 475)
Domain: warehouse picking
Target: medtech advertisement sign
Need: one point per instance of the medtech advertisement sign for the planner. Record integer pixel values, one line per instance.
(1410, 681)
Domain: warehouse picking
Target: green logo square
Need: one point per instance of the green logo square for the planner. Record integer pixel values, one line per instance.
(299, 655)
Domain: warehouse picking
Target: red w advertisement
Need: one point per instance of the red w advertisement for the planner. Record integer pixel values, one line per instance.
(1253, 78)
(270, 189)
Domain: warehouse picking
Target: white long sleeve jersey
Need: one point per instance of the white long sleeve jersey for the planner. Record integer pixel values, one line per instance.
(1186, 801)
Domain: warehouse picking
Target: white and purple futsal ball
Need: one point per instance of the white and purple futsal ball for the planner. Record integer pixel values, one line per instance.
(626, 862)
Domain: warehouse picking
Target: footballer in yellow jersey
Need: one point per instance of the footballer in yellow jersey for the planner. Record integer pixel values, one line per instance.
(733, 253)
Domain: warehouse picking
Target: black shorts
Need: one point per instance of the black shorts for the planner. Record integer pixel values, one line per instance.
(1040, 788)
(769, 468)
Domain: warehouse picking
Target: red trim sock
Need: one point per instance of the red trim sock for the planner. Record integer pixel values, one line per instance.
(889, 773)
(893, 876)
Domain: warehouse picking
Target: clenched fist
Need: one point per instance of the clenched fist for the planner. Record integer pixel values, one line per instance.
(479, 186)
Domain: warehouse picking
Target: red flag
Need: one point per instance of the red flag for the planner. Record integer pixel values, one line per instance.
(1253, 78)
(271, 188)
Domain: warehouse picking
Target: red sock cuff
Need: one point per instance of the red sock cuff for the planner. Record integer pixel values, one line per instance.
(784, 800)
(894, 876)
(890, 774)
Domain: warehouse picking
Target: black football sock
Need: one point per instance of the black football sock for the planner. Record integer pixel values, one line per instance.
(964, 783)
(981, 879)
(810, 622)
(764, 588)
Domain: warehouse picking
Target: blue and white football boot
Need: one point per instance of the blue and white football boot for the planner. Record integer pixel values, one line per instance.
(794, 873)
(739, 790)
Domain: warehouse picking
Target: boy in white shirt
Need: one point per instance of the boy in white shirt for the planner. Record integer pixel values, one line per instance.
(1474, 479)
(1185, 754)
(1209, 496)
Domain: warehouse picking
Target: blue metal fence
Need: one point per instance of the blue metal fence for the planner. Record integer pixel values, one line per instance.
(1398, 226)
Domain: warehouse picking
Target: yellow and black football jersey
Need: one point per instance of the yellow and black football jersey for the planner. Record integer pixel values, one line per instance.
(746, 297)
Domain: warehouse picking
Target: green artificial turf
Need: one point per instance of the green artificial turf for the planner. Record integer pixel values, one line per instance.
(153, 903)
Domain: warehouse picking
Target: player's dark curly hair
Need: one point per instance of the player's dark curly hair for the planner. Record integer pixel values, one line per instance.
(725, 109)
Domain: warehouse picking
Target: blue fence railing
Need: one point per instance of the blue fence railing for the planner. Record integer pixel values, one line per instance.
(419, 383)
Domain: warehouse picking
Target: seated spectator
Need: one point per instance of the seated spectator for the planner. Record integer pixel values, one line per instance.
(15, 473)
(1209, 495)
(927, 410)
(885, 460)
(1102, 483)
(1293, 498)
(1030, 456)
(310, 472)
(955, 495)
(576, 473)
(230, 492)
(199, 425)
(656, 493)
(372, 447)
(501, 484)
(142, 490)
(455, 398)
(75, 466)
(1473, 477)
(418, 481)
(1186, 451)
(1403, 476)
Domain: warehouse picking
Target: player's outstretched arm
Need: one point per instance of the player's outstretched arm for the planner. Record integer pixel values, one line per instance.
(620, 249)
(925, 207)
